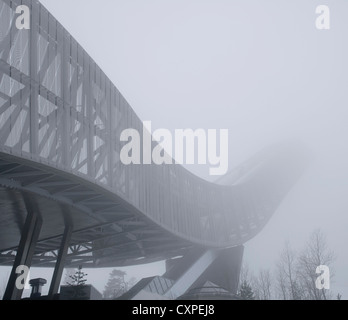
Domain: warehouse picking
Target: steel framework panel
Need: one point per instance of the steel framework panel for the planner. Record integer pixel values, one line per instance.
(60, 122)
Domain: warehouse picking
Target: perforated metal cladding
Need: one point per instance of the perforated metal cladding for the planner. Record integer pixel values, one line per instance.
(58, 108)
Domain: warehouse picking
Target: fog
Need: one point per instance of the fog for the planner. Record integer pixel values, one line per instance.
(258, 68)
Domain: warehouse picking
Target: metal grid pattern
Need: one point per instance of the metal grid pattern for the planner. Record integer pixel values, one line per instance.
(59, 110)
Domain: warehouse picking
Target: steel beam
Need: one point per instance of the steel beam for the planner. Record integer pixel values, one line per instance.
(26, 248)
(62, 254)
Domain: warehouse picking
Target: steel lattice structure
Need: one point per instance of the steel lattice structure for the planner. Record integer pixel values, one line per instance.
(60, 123)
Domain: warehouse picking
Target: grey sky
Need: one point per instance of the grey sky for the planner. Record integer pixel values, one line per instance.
(260, 69)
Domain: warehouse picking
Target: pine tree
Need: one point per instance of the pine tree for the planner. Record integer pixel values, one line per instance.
(246, 292)
(79, 278)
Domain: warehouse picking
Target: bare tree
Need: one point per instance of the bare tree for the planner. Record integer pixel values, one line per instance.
(245, 274)
(295, 276)
(263, 285)
(281, 285)
(315, 254)
(288, 285)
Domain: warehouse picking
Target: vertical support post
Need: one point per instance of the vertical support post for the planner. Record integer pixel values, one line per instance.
(90, 117)
(34, 84)
(26, 248)
(108, 137)
(65, 45)
(62, 254)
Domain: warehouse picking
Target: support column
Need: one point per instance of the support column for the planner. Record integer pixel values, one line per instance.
(34, 83)
(220, 266)
(62, 254)
(26, 248)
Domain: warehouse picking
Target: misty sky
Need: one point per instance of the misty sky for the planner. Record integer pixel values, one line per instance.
(260, 69)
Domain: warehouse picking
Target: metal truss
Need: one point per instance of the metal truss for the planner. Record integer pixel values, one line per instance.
(60, 123)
